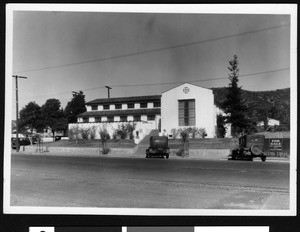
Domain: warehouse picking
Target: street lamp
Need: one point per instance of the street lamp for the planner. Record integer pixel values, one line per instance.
(17, 111)
(108, 88)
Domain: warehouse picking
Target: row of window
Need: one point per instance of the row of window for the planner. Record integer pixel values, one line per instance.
(129, 106)
(122, 118)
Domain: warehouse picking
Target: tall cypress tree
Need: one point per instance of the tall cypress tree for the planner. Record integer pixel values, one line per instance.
(233, 105)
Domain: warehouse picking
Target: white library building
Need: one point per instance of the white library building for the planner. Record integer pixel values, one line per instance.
(184, 106)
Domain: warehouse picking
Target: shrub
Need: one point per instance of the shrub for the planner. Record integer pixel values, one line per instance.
(184, 134)
(105, 150)
(74, 133)
(130, 128)
(221, 129)
(121, 131)
(174, 133)
(85, 133)
(115, 136)
(93, 132)
(180, 152)
(71, 134)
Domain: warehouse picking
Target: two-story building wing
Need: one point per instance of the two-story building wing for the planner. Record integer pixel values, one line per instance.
(125, 109)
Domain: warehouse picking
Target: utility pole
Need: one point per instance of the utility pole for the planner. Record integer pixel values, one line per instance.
(17, 112)
(108, 88)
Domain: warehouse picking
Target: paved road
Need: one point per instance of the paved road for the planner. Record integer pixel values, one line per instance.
(38, 180)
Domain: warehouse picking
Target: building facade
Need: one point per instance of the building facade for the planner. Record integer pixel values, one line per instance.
(109, 113)
(186, 106)
(181, 107)
(126, 109)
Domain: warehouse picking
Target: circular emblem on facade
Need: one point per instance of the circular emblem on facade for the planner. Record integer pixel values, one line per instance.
(186, 90)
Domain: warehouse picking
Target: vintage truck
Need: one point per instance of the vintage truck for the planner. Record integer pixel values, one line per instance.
(158, 147)
(250, 146)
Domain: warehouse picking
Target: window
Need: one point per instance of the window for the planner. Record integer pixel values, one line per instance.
(123, 118)
(186, 112)
(85, 120)
(118, 106)
(130, 105)
(137, 118)
(94, 107)
(110, 118)
(97, 119)
(150, 117)
(156, 104)
(106, 107)
(143, 105)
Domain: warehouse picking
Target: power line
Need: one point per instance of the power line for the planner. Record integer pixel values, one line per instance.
(168, 83)
(155, 50)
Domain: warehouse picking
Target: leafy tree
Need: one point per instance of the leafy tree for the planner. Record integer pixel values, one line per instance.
(233, 105)
(30, 117)
(53, 115)
(104, 137)
(75, 107)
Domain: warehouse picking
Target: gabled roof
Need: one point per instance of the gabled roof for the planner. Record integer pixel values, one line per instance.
(125, 100)
(184, 84)
(148, 111)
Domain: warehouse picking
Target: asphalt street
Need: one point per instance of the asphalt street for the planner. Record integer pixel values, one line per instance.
(38, 180)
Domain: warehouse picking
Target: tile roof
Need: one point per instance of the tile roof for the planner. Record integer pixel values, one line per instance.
(124, 99)
(148, 111)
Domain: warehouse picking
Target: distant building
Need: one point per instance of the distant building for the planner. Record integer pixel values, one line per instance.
(272, 123)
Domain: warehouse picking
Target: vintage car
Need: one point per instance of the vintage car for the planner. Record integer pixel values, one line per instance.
(250, 146)
(22, 142)
(158, 147)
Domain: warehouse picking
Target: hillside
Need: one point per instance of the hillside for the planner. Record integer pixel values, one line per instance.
(275, 104)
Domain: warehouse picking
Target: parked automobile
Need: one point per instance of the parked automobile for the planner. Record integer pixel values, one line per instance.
(158, 147)
(250, 146)
(22, 142)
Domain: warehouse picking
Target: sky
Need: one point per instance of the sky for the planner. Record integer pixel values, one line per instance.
(144, 53)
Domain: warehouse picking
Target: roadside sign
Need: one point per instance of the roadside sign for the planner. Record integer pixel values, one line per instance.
(275, 144)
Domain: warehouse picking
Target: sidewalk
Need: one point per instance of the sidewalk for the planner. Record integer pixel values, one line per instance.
(137, 154)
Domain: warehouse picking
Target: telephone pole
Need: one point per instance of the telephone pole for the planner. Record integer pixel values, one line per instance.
(17, 112)
(108, 88)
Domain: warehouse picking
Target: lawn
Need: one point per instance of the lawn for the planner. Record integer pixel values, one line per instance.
(126, 143)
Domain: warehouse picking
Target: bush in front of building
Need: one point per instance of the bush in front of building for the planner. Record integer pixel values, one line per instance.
(174, 133)
(105, 150)
(93, 132)
(130, 128)
(74, 133)
(121, 132)
(180, 152)
(85, 133)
